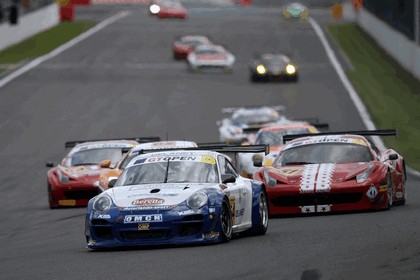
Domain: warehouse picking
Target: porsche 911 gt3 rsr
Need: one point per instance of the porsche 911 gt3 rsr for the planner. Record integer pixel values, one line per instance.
(177, 197)
(330, 172)
(75, 180)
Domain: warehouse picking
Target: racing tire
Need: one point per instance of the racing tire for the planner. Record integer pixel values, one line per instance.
(226, 221)
(389, 194)
(404, 179)
(50, 200)
(260, 222)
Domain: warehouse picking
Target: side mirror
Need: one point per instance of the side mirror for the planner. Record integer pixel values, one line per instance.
(49, 164)
(228, 178)
(393, 157)
(106, 163)
(111, 183)
(257, 160)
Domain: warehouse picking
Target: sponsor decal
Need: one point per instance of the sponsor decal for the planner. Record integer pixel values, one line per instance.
(239, 212)
(323, 208)
(372, 192)
(307, 209)
(208, 159)
(148, 194)
(67, 202)
(210, 235)
(162, 207)
(232, 208)
(327, 139)
(148, 201)
(186, 212)
(316, 178)
(212, 210)
(383, 188)
(153, 218)
(104, 216)
(144, 226)
(170, 158)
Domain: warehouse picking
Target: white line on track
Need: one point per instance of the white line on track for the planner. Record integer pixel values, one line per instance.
(350, 89)
(37, 61)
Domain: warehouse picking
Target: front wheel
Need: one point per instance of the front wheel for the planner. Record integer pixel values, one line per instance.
(226, 222)
(260, 221)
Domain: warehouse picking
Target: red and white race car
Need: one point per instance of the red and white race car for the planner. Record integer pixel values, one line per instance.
(168, 9)
(186, 44)
(330, 172)
(75, 180)
(210, 57)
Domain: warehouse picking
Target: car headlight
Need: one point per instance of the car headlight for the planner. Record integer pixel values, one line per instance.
(63, 178)
(290, 69)
(261, 69)
(154, 9)
(364, 175)
(270, 181)
(197, 200)
(102, 203)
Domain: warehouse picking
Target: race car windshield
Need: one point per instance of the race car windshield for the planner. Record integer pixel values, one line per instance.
(94, 156)
(192, 41)
(254, 119)
(275, 138)
(324, 153)
(169, 172)
(208, 51)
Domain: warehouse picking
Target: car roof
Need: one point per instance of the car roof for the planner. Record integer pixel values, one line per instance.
(209, 47)
(103, 144)
(313, 140)
(287, 127)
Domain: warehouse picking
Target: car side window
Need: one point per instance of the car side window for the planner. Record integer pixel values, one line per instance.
(226, 167)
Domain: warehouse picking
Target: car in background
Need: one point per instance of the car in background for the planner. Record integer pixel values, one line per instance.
(186, 44)
(75, 180)
(245, 121)
(273, 67)
(210, 57)
(168, 9)
(177, 197)
(114, 173)
(331, 172)
(295, 10)
(273, 136)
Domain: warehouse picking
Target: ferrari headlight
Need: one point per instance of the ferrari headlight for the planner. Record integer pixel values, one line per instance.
(63, 178)
(365, 175)
(154, 9)
(102, 203)
(290, 69)
(197, 200)
(261, 69)
(270, 181)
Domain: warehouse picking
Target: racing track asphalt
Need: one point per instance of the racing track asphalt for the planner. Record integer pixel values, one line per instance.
(122, 82)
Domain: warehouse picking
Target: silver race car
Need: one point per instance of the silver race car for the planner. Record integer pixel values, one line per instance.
(246, 121)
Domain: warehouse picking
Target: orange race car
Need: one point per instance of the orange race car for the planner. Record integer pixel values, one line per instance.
(75, 180)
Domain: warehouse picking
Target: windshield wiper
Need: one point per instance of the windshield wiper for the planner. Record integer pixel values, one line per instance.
(297, 163)
(166, 174)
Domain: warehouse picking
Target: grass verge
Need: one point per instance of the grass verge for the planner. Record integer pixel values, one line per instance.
(44, 42)
(390, 94)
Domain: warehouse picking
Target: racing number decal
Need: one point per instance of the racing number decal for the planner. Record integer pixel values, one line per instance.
(232, 208)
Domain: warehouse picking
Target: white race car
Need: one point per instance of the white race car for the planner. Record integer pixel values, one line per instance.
(246, 121)
(207, 57)
(177, 197)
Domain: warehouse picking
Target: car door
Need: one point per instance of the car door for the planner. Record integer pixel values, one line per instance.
(236, 191)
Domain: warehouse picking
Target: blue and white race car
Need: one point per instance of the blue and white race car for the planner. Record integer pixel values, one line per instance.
(177, 197)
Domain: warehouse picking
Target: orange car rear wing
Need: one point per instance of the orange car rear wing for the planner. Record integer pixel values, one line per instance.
(71, 144)
(380, 132)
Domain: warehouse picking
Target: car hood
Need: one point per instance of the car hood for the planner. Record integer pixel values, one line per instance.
(317, 174)
(154, 195)
(81, 171)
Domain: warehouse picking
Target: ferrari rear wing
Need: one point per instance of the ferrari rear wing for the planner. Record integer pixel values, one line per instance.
(71, 144)
(217, 148)
(230, 110)
(380, 132)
